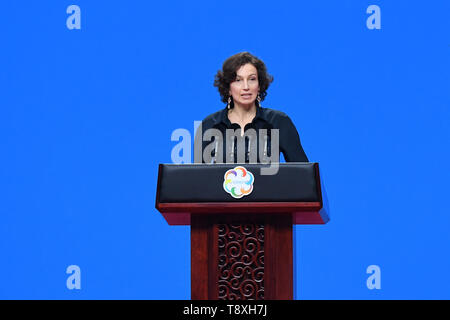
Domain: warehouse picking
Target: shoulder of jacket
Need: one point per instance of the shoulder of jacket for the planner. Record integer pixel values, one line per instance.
(273, 114)
(213, 116)
(212, 119)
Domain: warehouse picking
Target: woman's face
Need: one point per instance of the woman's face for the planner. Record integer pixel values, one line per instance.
(244, 89)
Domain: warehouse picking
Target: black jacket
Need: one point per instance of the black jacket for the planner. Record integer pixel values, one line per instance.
(289, 141)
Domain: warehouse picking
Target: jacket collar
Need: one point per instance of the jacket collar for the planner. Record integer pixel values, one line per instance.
(223, 116)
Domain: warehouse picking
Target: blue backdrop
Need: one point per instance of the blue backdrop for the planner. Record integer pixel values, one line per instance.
(87, 115)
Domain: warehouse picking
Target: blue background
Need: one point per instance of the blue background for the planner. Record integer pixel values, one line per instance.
(87, 116)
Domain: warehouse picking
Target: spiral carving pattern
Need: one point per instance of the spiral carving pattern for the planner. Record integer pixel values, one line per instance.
(241, 261)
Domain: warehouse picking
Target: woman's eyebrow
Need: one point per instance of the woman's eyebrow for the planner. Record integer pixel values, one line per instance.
(253, 74)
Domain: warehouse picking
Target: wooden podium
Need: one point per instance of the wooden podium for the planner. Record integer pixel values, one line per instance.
(241, 223)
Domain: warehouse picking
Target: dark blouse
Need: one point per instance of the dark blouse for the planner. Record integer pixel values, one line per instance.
(289, 141)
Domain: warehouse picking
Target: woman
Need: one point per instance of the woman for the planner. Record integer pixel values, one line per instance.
(244, 131)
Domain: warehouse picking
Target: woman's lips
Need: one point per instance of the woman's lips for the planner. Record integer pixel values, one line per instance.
(246, 95)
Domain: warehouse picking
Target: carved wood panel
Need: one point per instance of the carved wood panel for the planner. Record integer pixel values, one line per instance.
(241, 261)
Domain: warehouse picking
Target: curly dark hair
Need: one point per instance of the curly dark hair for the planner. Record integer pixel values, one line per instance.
(227, 75)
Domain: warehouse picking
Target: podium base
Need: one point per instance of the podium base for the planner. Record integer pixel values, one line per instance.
(241, 257)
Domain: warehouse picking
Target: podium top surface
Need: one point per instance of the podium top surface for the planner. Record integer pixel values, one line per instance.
(293, 182)
(232, 187)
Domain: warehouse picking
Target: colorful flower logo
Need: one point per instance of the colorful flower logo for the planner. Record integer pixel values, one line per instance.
(238, 182)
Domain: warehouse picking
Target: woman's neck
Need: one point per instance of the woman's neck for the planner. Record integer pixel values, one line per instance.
(243, 112)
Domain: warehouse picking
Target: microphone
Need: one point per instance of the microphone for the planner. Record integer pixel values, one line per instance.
(216, 147)
(232, 149)
(249, 146)
(265, 146)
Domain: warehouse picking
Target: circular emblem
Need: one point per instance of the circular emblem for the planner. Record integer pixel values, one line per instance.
(238, 182)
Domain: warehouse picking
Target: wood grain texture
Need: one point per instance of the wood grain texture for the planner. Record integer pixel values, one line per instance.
(266, 273)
